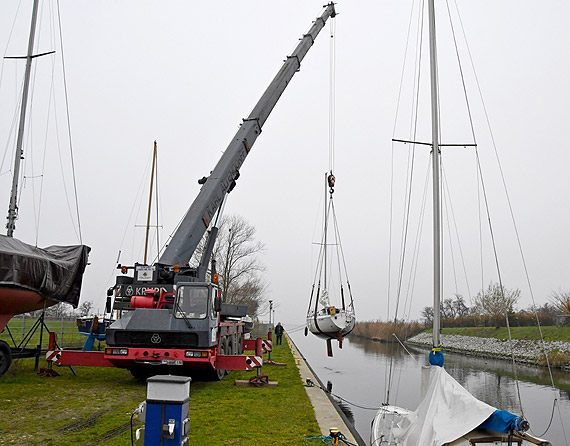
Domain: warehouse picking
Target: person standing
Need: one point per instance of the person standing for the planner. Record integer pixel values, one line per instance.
(279, 333)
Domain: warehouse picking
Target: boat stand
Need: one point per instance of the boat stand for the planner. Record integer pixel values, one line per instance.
(270, 361)
(258, 380)
(22, 350)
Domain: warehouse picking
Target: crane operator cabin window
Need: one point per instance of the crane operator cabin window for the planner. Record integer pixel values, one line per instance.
(192, 302)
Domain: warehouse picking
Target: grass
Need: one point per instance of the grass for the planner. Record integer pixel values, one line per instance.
(39, 411)
(528, 333)
(71, 335)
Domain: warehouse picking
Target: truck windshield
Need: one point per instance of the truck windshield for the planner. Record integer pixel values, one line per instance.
(192, 302)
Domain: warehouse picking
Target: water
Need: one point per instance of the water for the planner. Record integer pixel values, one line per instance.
(359, 373)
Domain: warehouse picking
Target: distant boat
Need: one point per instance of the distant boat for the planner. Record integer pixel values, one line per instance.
(93, 326)
(325, 319)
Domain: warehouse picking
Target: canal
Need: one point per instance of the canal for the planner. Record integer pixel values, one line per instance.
(358, 373)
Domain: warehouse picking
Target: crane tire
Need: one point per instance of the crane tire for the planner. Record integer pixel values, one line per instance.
(218, 374)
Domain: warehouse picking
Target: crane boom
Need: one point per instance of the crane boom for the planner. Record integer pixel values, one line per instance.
(222, 179)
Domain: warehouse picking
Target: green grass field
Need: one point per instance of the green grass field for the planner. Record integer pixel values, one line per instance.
(529, 333)
(71, 336)
(95, 407)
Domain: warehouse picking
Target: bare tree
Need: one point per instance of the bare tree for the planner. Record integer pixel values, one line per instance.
(427, 314)
(460, 308)
(561, 301)
(59, 310)
(237, 263)
(85, 308)
(448, 309)
(496, 301)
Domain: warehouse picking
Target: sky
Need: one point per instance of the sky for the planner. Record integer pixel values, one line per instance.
(186, 73)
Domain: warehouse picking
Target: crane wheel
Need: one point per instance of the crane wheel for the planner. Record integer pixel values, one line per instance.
(5, 357)
(229, 349)
(219, 374)
(240, 345)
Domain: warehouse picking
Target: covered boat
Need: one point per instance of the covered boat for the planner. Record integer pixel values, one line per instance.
(31, 277)
(448, 415)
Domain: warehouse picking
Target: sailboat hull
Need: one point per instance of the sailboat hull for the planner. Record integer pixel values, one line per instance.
(327, 325)
(15, 301)
(32, 277)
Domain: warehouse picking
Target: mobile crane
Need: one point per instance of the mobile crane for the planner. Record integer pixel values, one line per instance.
(173, 315)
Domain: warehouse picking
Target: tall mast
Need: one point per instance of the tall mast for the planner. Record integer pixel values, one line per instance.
(13, 209)
(436, 180)
(149, 203)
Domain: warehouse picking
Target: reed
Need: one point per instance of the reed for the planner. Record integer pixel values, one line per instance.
(385, 331)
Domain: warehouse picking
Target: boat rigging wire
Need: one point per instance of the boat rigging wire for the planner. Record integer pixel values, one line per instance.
(15, 118)
(413, 129)
(507, 195)
(69, 124)
(404, 347)
(451, 212)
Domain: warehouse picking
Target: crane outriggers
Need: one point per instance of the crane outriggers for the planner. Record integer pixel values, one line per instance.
(173, 316)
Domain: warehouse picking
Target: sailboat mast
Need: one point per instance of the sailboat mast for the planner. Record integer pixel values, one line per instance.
(437, 292)
(149, 202)
(13, 209)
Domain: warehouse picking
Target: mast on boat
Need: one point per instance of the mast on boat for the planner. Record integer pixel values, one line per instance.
(437, 291)
(13, 209)
(149, 203)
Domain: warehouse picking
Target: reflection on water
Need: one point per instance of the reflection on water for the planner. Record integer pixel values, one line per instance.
(359, 374)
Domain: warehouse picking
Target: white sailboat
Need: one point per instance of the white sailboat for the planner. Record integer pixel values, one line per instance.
(325, 319)
(447, 413)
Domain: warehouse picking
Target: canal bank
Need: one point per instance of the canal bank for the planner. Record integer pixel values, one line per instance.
(327, 411)
(523, 350)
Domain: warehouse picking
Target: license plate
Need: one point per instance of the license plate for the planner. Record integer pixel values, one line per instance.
(171, 361)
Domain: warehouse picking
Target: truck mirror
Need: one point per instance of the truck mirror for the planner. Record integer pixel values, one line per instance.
(108, 304)
(217, 304)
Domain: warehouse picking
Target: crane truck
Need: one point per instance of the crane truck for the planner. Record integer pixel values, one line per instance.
(173, 317)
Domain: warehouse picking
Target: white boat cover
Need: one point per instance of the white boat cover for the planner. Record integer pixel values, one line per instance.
(55, 272)
(446, 412)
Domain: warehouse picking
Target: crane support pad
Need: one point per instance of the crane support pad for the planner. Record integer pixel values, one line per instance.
(266, 345)
(78, 357)
(238, 362)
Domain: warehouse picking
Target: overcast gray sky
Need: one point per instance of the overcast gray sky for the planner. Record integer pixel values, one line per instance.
(186, 73)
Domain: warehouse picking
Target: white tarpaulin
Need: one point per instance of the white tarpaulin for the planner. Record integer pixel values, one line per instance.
(447, 411)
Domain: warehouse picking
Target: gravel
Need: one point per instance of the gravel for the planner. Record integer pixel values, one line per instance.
(524, 351)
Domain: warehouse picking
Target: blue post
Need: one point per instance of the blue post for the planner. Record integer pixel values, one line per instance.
(166, 418)
(89, 343)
